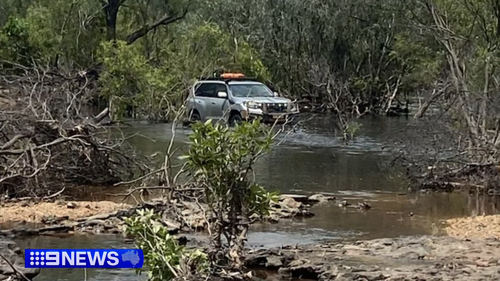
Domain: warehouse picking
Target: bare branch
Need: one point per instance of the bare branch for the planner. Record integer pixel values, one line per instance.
(165, 20)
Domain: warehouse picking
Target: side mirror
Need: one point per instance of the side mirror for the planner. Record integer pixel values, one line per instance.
(276, 94)
(222, 94)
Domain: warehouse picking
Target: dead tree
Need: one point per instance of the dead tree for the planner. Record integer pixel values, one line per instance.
(49, 140)
(465, 150)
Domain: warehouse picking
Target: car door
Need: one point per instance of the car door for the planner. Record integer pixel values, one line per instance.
(204, 94)
(220, 106)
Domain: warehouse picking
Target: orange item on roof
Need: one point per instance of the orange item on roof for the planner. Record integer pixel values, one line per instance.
(232, 75)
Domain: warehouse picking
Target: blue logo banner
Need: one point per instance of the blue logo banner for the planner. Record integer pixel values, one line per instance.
(83, 258)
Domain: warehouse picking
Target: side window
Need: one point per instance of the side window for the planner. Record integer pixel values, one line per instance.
(205, 90)
(220, 88)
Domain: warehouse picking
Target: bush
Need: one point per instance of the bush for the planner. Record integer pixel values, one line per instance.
(164, 258)
(221, 159)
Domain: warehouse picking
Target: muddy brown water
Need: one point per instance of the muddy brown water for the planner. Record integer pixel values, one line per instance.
(311, 159)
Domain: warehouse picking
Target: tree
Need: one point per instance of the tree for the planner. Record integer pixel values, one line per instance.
(220, 159)
(337, 53)
(155, 85)
(171, 11)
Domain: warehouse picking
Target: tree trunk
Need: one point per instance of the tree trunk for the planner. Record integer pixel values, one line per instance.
(111, 11)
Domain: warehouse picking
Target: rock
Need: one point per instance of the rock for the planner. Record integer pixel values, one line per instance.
(257, 259)
(364, 206)
(299, 198)
(482, 263)
(14, 255)
(71, 205)
(291, 203)
(369, 276)
(319, 198)
(297, 263)
(93, 222)
(307, 270)
(274, 262)
(404, 258)
(178, 216)
(330, 273)
(313, 199)
(344, 203)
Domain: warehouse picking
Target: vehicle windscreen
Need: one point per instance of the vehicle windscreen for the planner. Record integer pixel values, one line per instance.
(250, 90)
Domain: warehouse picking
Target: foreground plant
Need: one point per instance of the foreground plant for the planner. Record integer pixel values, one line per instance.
(164, 258)
(220, 159)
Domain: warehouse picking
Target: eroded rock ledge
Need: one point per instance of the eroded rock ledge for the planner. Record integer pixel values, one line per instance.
(409, 258)
(177, 215)
(12, 263)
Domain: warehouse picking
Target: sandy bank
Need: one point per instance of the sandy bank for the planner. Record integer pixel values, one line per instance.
(46, 211)
(108, 217)
(474, 227)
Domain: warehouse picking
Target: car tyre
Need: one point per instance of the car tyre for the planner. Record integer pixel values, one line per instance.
(195, 117)
(235, 119)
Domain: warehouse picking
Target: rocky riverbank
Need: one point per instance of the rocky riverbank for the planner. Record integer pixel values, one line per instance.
(409, 258)
(12, 263)
(47, 218)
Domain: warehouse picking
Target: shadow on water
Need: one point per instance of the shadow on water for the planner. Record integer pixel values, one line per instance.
(311, 159)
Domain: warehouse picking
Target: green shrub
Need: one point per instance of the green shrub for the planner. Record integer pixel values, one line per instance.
(221, 160)
(164, 258)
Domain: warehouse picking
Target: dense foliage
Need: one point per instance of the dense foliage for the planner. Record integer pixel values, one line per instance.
(355, 56)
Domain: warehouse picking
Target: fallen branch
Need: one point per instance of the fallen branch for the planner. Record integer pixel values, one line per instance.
(101, 115)
(14, 268)
(54, 195)
(47, 145)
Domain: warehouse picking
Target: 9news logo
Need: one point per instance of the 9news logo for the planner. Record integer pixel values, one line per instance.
(83, 258)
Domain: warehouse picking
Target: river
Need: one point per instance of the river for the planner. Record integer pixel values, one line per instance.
(310, 159)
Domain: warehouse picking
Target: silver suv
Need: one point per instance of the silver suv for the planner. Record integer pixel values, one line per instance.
(236, 99)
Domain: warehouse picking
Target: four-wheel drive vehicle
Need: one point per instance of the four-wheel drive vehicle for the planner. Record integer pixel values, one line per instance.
(234, 98)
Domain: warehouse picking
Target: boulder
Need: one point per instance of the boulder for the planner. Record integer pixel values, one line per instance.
(291, 203)
(12, 254)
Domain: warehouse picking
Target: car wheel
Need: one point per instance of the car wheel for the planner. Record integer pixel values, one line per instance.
(235, 119)
(195, 117)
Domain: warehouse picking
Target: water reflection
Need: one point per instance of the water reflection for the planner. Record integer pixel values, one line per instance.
(391, 215)
(311, 158)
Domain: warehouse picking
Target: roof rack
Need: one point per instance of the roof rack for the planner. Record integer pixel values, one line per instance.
(226, 80)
